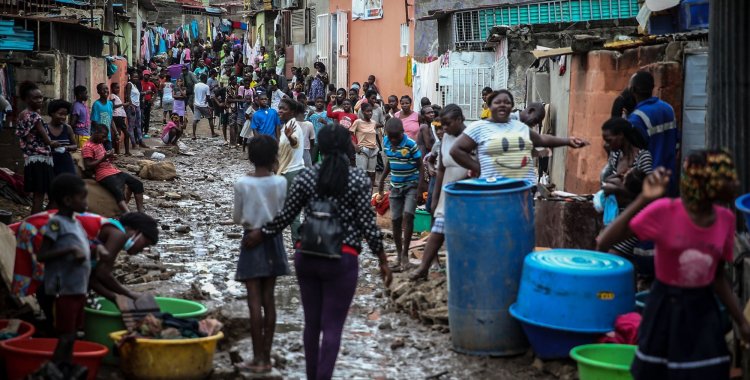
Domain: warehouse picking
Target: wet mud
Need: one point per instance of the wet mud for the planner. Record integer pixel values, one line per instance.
(196, 259)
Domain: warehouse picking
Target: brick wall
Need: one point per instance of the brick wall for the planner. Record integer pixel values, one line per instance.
(596, 79)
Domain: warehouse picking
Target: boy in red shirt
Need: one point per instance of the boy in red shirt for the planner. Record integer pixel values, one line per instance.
(106, 174)
(148, 90)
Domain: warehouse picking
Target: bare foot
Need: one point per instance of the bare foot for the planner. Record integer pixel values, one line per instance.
(418, 274)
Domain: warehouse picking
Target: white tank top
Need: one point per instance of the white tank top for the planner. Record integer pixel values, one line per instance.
(453, 171)
(167, 92)
(135, 95)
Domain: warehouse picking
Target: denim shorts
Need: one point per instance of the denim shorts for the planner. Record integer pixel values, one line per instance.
(403, 200)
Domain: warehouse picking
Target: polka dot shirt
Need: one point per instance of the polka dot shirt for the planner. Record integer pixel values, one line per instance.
(357, 217)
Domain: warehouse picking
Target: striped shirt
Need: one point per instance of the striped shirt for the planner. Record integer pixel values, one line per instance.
(403, 160)
(503, 149)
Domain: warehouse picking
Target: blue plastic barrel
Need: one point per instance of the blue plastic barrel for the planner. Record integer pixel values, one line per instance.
(489, 228)
(743, 205)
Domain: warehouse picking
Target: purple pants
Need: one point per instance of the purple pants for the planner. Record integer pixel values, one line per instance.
(327, 288)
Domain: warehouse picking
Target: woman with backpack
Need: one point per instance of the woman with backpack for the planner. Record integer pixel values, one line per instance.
(336, 200)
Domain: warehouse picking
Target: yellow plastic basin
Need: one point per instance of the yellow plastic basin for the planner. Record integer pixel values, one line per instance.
(165, 359)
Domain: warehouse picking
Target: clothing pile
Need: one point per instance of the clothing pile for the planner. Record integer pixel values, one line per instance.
(381, 204)
(11, 330)
(167, 326)
(11, 187)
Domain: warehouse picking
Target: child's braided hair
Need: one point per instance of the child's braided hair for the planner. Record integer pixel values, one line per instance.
(708, 176)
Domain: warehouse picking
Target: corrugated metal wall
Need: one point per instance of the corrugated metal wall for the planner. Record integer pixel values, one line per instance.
(729, 83)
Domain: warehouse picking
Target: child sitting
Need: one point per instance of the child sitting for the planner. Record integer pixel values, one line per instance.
(99, 160)
(258, 197)
(171, 132)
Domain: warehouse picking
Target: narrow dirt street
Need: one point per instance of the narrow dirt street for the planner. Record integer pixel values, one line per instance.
(196, 259)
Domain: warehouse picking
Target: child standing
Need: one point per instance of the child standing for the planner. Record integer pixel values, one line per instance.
(67, 265)
(79, 118)
(365, 132)
(258, 197)
(61, 132)
(101, 112)
(405, 167)
(681, 336)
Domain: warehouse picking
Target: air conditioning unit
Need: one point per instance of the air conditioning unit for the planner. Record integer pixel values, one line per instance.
(289, 4)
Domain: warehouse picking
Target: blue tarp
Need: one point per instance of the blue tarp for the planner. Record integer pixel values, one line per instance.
(15, 38)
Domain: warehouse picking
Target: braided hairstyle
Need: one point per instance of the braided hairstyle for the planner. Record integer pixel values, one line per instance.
(708, 176)
(335, 145)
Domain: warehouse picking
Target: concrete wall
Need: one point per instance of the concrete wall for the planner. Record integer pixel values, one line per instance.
(595, 80)
(426, 32)
(374, 47)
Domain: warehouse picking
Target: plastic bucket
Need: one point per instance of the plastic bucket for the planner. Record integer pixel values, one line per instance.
(604, 361)
(100, 323)
(27, 355)
(166, 359)
(422, 221)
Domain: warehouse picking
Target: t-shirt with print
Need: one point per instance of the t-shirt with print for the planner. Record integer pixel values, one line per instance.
(147, 85)
(686, 255)
(503, 149)
(365, 133)
(402, 159)
(66, 275)
(96, 151)
(83, 125)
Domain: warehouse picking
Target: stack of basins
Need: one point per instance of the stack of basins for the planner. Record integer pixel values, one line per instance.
(569, 298)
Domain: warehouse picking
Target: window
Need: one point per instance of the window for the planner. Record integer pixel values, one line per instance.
(466, 32)
(299, 29)
(311, 24)
(404, 40)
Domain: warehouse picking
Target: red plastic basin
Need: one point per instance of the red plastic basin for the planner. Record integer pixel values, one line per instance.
(28, 355)
(25, 329)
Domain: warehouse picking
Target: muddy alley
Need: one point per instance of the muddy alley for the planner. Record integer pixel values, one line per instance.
(196, 259)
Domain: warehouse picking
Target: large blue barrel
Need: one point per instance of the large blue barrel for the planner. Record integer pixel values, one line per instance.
(489, 228)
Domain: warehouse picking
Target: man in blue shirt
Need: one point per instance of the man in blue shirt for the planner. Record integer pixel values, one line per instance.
(265, 120)
(405, 167)
(654, 119)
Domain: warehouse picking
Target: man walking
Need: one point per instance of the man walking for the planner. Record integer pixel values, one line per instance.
(201, 106)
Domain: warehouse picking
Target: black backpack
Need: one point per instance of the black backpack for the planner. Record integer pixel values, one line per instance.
(321, 234)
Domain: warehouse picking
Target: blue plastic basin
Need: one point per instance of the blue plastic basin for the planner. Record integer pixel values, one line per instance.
(743, 205)
(489, 228)
(549, 342)
(575, 290)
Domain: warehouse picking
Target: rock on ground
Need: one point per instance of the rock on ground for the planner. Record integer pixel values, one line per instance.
(158, 171)
(100, 200)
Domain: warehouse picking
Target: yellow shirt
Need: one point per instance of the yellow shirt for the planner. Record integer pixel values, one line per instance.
(485, 112)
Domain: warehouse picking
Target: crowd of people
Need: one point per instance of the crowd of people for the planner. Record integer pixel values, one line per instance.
(317, 153)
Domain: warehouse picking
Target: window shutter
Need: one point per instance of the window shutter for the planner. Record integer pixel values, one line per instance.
(404, 40)
(298, 26)
(312, 24)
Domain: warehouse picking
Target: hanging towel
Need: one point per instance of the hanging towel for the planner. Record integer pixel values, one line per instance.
(409, 77)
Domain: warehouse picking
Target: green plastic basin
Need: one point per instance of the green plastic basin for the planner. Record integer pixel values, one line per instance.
(604, 361)
(422, 221)
(100, 323)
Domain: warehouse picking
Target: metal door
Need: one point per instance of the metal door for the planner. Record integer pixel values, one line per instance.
(323, 41)
(342, 49)
(694, 102)
(463, 86)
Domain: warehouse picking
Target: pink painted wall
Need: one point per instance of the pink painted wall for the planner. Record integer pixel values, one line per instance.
(374, 46)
